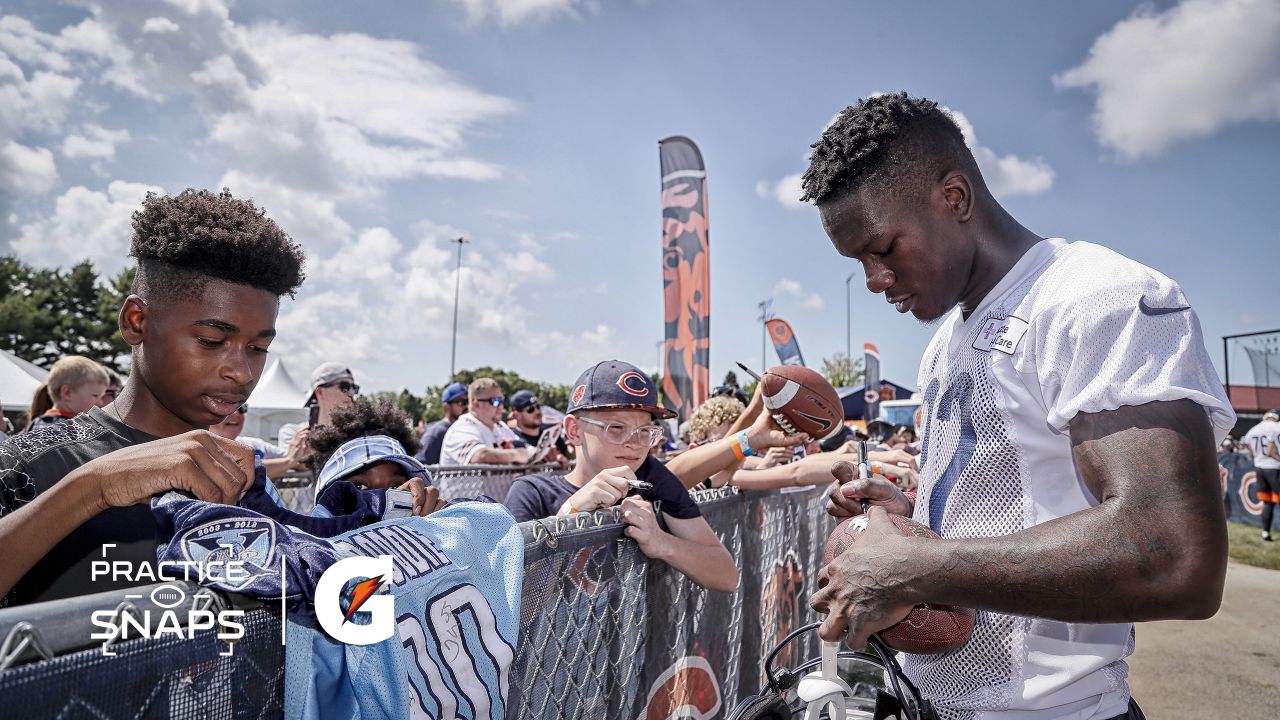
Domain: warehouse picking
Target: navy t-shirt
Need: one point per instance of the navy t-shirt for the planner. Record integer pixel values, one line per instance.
(532, 440)
(433, 442)
(533, 497)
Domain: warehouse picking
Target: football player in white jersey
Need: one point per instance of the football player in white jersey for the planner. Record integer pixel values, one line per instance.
(1263, 443)
(1070, 419)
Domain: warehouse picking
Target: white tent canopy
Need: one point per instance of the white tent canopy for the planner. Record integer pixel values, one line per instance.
(19, 380)
(276, 400)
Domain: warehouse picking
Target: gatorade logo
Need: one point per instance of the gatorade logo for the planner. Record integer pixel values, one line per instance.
(364, 598)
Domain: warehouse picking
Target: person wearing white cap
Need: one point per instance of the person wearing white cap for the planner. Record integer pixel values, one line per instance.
(332, 387)
(1263, 442)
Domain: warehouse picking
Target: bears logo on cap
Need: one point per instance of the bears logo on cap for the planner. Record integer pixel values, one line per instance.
(578, 392)
(632, 383)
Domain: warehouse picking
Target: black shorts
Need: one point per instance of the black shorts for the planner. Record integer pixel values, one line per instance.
(1134, 712)
(1268, 485)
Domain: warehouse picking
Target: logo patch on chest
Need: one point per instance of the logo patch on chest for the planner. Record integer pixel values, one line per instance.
(1001, 334)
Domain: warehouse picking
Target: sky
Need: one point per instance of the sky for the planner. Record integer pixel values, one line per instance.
(376, 132)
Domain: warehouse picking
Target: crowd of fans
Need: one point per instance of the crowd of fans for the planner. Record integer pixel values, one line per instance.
(178, 422)
(614, 446)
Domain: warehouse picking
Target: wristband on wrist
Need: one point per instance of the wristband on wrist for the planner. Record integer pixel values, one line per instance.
(744, 445)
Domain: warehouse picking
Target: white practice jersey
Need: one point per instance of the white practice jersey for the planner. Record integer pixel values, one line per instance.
(467, 435)
(1073, 328)
(1259, 438)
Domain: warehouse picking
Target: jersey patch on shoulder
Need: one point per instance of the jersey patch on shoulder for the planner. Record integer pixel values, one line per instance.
(1002, 334)
(252, 541)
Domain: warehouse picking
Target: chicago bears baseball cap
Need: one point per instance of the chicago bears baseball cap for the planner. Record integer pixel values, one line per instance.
(362, 452)
(616, 384)
(453, 392)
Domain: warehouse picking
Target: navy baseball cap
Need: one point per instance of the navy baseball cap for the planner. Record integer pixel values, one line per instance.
(616, 384)
(523, 399)
(453, 392)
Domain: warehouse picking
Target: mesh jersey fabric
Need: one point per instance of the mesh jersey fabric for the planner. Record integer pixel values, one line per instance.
(457, 579)
(1072, 328)
(1258, 438)
(457, 582)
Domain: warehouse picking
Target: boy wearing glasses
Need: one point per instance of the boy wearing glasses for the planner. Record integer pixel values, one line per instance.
(480, 437)
(610, 422)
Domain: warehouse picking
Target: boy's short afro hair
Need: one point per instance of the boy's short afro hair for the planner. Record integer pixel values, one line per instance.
(360, 419)
(183, 240)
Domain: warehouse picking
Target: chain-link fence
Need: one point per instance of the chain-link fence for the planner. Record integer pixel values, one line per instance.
(605, 631)
(297, 491)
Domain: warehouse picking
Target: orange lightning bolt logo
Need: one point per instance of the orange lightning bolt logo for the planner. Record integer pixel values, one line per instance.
(362, 592)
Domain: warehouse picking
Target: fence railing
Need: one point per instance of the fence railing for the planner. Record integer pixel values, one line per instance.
(455, 481)
(605, 631)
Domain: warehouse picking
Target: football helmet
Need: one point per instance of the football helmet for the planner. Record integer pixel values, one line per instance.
(782, 697)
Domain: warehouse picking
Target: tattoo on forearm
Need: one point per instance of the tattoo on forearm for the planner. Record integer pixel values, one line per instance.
(1159, 520)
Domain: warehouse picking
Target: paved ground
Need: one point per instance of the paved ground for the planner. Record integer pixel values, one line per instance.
(1225, 667)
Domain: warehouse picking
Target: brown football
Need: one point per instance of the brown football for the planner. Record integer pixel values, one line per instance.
(801, 400)
(929, 628)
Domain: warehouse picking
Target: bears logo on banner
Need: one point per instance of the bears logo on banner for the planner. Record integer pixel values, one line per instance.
(784, 341)
(686, 277)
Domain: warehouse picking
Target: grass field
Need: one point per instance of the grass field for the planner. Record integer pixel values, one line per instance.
(1247, 546)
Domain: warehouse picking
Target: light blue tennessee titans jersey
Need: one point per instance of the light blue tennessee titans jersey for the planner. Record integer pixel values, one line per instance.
(456, 583)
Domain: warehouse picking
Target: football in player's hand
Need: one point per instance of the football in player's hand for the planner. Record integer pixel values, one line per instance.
(929, 628)
(801, 400)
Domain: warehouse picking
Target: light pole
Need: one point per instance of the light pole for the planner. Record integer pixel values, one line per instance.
(764, 306)
(457, 283)
(848, 316)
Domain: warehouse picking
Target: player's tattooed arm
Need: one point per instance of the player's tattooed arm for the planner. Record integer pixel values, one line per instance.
(1155, 547)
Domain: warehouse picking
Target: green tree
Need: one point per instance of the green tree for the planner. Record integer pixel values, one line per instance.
(841, 372)
(28, 327)
(557, 396)
(411, 404)
(731, 379)
(111, 296)
(45, 314)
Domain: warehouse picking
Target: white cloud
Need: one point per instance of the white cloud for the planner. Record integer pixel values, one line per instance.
(371, 257)
(96, 142)
(808, 301)
(1005, 174)
(25, 169)
(86, 224)
(159, 25)
(513, 12)
(786, 191)
(1164, 77)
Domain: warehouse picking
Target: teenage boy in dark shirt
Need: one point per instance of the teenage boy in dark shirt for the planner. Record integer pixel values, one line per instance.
(610, 422)
(211, 270)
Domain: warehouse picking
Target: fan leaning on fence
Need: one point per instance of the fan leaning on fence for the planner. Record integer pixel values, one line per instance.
(610, 421)
(211, 270)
